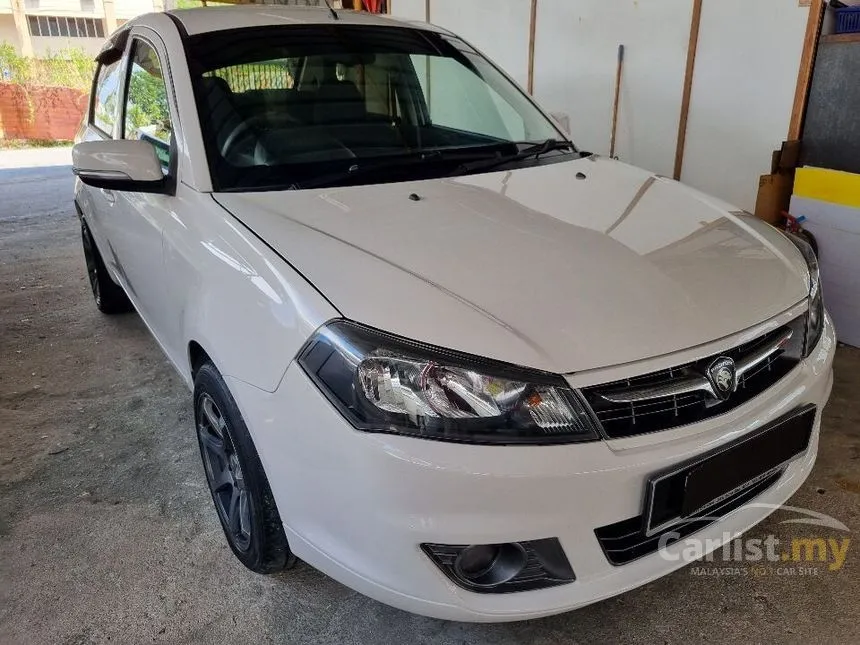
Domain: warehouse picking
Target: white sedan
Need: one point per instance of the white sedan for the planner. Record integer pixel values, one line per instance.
(436, 350)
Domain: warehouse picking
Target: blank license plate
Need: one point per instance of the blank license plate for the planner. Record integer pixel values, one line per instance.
(690, 488)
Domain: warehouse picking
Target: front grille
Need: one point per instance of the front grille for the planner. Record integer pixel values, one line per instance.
(664, 412)
(626, 541)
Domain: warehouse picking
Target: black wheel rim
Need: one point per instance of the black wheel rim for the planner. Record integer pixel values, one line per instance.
(92, 267)
(224, 473)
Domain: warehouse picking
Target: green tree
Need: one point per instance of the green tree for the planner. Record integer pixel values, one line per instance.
(148, 103)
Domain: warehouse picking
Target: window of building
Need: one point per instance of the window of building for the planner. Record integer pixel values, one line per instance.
(147, 114)
(67, 27)
(105, 100)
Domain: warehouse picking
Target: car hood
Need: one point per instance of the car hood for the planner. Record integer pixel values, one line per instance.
(563, 267)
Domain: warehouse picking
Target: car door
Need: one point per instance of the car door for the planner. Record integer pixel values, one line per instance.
(101, 124)
(136, 223)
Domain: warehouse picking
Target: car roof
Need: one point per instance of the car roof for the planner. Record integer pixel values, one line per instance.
(209, 19)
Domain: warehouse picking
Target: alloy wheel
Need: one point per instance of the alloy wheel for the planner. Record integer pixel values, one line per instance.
(224, 473)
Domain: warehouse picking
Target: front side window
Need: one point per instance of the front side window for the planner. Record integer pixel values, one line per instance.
(106, 97)
(147, 115)
(301, 106)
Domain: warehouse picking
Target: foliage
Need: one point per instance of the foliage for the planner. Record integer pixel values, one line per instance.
(71, 67)
(21, 144)
(148, 103)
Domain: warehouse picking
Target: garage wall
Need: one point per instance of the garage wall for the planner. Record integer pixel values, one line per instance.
(745, 47)
(499, 29)
(743, 89)
(576, 54)
(408, 9)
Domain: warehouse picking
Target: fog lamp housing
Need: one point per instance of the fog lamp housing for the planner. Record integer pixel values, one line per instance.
(503, 568)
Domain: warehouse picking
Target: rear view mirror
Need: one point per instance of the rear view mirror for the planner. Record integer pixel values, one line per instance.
(119, 165)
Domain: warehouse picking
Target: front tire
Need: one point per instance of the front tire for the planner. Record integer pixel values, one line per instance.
(239, 487)
(110, 298)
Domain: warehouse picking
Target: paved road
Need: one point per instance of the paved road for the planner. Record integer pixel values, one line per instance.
(107, 533)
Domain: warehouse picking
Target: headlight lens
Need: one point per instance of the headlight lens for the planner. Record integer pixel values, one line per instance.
(815, 316)
(384, 383)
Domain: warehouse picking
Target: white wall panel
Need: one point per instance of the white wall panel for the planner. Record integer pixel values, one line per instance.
(576, 55)
(132, 8)
(8, 32)
(408, 9)
(43, 47)
(743, 90)
(743, 87)
(499, 29)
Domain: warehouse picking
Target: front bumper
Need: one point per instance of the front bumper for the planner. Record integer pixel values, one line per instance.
(357, 505)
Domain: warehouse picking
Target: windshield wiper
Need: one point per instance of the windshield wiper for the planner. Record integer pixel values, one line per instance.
(532, 150)
(396, 163)
(358, 169)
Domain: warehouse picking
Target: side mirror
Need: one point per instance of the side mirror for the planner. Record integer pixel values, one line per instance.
(119, 164)
(562, 120)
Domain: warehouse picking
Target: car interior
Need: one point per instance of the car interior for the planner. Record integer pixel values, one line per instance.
(320, 115)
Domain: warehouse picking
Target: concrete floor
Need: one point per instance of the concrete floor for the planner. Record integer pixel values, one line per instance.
(107, 533)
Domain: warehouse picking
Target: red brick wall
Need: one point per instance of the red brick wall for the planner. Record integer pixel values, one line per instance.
(40, 112)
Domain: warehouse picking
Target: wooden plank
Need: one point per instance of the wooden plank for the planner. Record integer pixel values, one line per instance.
(532, 33)
(692, 46)
(616, 104)
(807, 62)
(840, 38)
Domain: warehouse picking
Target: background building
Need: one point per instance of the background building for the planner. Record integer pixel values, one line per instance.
(39, 27)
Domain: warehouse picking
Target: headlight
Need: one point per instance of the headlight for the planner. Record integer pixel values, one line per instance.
(815, 316)
(384, 383)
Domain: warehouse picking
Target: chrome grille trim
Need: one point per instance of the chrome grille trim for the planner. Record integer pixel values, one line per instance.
(685, 394)
(754, 359)
(698, 382)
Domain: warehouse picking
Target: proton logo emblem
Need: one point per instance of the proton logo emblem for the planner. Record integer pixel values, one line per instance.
(723, 377)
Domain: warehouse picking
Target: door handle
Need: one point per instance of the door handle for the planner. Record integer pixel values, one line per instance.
(108, 195)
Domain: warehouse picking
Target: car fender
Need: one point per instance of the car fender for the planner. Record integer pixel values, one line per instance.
(246, 306)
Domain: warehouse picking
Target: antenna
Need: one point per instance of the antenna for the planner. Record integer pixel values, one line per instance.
(333, 12)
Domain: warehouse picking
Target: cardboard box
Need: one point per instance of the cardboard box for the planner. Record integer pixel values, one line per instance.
(774, 196)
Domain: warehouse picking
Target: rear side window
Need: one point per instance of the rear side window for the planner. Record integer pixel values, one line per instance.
(147, 114)
(106, 97)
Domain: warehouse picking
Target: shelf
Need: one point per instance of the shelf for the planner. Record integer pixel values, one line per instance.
(840, 38)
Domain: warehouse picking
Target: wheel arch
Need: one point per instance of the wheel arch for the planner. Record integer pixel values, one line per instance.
(239, 304)
(197, 357)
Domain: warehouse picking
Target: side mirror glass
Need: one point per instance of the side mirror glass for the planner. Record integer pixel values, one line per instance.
(119, 165)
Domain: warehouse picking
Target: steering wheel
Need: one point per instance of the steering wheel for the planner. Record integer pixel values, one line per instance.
(252, 127)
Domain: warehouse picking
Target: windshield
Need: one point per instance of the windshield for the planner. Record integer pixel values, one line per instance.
(290, 107)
